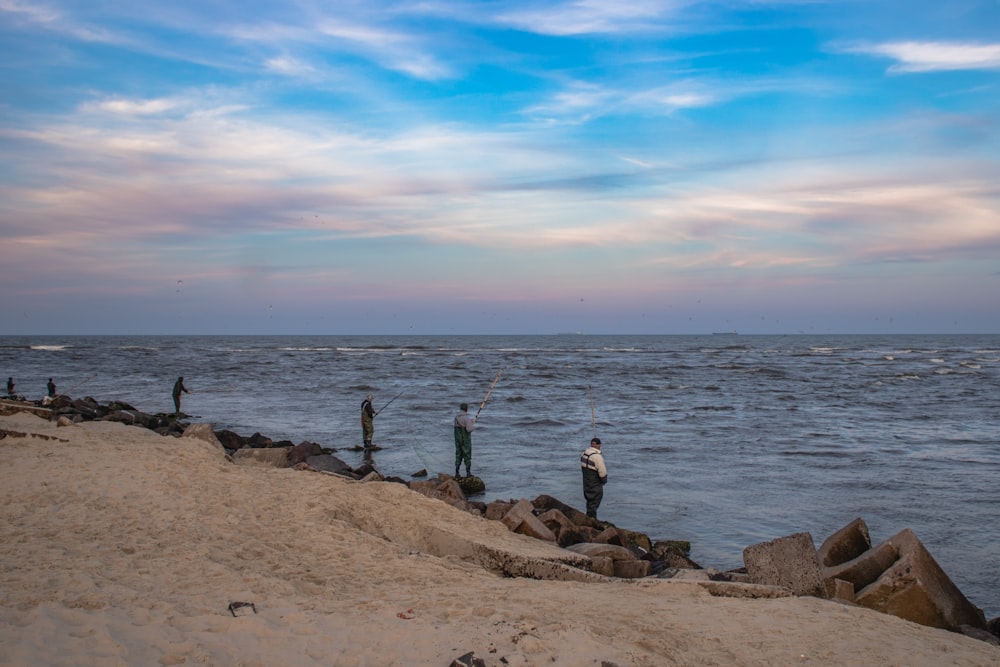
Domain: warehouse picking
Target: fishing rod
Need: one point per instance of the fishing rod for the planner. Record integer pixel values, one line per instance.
(483, 404)
(390, 402)
(78, 384)
(593, 413)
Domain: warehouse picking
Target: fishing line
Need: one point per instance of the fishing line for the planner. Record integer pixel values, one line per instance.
(77, 385)
(593, 413)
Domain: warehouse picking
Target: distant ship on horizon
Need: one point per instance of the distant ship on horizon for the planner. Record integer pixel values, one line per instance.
(725, 333)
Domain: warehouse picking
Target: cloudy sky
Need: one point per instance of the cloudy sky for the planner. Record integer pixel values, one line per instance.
(674, 166)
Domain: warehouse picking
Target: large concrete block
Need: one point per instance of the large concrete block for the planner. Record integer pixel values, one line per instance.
(846, 544)
(515, 516)
(595, 550)
(917, 589)
(521, 519)
(866, 568)
(787, 561)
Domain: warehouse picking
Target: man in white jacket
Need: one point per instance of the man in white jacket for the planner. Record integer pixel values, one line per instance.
(595, 476)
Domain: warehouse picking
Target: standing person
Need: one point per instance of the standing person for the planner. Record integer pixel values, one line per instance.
(178, 388)
(52, 388)
(367, 420)
(595, 476)
(10, 386)
(464, 424)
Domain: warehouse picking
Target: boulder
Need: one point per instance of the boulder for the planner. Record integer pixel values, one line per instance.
(602, 565)
(609, 535)
(471, 485)
(496, 510)
(329, 463)
(521, 519)
(844, 545)
(258, 440)
(631, 569)
(202, 432)
(632, 538)
(451, 489)
(303, 451)
(594, 550)
(229, 439)
(917, 589)
(673, 553)
(566, 531)
(275, 457)
(789, 561)
(544, 503)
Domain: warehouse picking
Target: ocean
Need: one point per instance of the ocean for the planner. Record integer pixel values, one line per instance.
(724, 440)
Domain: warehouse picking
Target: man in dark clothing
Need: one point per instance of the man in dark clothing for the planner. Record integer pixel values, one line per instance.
(52, 388)
(464, 424)
(178, 388)
(367, 421)
(595, 476)
(10, 386)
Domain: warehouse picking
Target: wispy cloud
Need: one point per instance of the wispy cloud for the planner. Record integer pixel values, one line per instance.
(133, 107)
(48, 17)
(934, 56)
(581, 17)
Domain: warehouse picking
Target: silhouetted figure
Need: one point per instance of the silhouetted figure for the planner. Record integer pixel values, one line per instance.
(10, 386)
(178, 388)
(464, 424)
(367, 420)
(52, 388)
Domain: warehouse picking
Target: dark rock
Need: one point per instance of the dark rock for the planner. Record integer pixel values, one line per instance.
(329, 463)
(672, 553)
(365, 469)
(259, 441)
(609, 535)
(229, 439)
(471, 485)
(980, 634)
(683, 547)
(303, 451)
(420, 473)
(544, 503)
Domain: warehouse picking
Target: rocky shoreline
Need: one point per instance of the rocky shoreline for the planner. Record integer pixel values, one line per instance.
(897, 576)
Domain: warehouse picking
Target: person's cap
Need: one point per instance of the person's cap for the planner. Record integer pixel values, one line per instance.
(463, 406)
(595, 441)
(370, 397)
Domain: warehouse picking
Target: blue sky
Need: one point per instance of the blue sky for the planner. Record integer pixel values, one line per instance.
(499, 167)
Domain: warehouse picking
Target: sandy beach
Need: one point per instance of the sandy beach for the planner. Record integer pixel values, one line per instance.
(123, 547)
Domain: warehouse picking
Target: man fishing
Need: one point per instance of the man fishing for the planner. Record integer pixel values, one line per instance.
(176, 394)
(464, 425)
(595, 476)
(367, 420)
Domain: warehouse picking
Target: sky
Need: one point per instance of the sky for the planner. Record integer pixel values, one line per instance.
(444, 167)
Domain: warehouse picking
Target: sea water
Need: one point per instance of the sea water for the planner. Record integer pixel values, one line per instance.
(723, 440)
